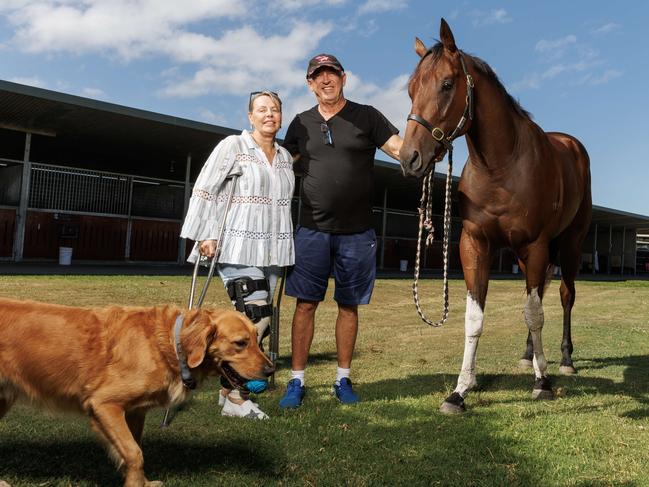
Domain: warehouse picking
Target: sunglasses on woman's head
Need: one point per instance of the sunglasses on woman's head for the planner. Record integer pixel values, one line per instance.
(255, 94)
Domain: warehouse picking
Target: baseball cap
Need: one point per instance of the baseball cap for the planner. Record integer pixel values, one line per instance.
(323, 60)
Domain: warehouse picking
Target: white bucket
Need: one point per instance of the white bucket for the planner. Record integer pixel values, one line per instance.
(514, 268)
(403, 265)
(65, 255)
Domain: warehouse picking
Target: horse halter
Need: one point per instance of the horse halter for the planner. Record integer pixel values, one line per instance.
(425, 208)
(438, 133)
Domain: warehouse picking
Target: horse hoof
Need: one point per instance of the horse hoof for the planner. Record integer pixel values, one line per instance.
(450, 408)
(542, 390)
(453, 404)
(542, 395)
(525, 363)
(567, 370)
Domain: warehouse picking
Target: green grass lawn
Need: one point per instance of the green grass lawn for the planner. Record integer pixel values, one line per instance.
(596, 433)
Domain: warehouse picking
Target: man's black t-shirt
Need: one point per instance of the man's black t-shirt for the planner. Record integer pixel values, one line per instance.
(337, 179)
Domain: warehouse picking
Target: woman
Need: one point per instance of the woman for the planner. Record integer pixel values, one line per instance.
(258, 236)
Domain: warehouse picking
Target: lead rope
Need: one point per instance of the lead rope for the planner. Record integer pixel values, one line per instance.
(426, 222)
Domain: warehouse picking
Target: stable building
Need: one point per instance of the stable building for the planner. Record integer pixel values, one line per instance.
(111, 184)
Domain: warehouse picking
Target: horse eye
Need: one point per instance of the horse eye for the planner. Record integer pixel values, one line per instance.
(447, 85)
(240, 343)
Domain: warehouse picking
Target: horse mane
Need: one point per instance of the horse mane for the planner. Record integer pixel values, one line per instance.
(436, 52)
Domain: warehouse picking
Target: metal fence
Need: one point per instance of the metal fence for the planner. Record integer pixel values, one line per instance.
(67, 189)
(70, 189)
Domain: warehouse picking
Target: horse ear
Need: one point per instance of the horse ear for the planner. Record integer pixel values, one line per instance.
(446, 36)
(420, 48)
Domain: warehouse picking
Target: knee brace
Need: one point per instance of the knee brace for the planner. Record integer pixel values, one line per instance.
(263, 323)
(239, 289)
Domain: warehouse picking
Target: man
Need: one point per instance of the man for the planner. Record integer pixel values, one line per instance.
(334, 144)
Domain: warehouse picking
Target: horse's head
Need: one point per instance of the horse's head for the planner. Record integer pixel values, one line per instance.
(441, 91)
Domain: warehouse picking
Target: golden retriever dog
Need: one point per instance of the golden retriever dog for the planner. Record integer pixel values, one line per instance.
(114, 364)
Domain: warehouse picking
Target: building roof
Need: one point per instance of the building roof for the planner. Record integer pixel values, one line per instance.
(609, 216)
(132, 133)
(74, 118)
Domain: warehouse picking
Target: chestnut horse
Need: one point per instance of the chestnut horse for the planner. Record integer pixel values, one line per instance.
(521, 188)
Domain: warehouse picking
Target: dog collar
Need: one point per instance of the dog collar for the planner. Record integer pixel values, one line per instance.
(185, 374)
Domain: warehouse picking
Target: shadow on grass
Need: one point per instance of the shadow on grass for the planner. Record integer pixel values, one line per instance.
(635, 384)
(398, 442)
(173, 457)
(284, 362)
(401, 443)
(38, 462)
(325, 451)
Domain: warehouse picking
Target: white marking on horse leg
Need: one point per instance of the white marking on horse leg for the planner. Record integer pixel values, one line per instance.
(473, 320)
(534, 320)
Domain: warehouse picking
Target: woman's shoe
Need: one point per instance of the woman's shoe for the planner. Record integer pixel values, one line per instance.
(246, 410)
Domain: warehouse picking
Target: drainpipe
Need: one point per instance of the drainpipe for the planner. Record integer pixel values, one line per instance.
(635, 252)
(610, 248)
(182, 243)
(21, 216)
(129, 221)
(595, 256)
(623, 251)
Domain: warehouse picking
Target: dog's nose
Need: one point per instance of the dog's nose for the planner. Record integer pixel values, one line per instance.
(269, 370)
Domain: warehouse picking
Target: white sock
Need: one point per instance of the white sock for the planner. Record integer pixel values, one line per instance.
(341, 374)
(298, 374)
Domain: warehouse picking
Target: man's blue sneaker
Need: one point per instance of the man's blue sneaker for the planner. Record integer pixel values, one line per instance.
(294, 395)
(344, 392)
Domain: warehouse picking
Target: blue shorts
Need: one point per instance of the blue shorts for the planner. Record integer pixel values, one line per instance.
(350, 257)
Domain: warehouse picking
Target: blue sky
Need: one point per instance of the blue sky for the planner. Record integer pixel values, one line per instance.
(578, 66)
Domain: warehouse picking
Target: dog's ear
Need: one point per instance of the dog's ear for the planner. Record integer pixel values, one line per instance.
(196, 337)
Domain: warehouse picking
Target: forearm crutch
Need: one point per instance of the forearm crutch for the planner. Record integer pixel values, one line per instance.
(273, 339)
(232, 176)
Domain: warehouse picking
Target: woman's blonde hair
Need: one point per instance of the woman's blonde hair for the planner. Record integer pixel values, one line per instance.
(256, 94)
